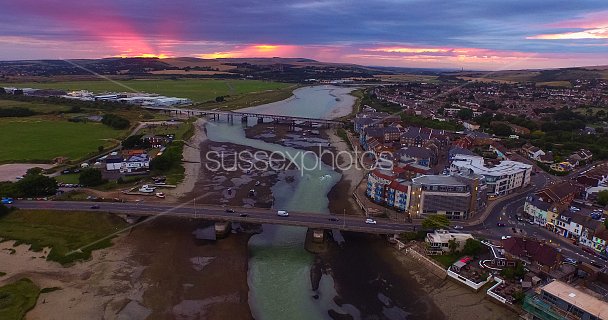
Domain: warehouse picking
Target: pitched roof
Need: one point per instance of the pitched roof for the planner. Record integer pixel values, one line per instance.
(559, 191)
(531, 249)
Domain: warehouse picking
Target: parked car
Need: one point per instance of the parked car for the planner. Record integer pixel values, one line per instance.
(282, 213)
(500, 224)
(370, 221)
(146, 189)
(570, 261)
(160, 195)
(458, 227)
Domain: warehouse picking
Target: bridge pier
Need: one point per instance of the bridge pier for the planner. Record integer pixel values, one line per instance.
(222, 229)
(316, 240)
(260, 119)
(244, 119)
(230, 118)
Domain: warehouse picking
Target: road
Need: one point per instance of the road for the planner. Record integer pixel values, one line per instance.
(506, 212)
(253, 215)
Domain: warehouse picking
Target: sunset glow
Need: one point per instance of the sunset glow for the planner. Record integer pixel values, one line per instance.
(421, 36)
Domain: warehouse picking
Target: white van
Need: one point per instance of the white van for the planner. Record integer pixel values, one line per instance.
(282, 213)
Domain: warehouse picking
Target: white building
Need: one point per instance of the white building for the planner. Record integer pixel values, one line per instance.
(501, 178)
(439, 241)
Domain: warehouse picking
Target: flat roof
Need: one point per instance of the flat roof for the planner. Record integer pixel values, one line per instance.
(578, 298)
(478, 166)
(438, 180)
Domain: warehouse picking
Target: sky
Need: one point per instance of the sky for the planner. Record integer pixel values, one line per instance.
(470, 34)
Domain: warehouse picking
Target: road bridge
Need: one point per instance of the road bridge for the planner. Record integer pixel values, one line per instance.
(217, 213)
(244, 116)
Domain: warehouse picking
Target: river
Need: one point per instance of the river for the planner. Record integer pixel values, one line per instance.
(279, 266)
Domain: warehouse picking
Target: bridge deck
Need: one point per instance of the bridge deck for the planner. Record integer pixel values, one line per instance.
(245, 114)
(215, 213)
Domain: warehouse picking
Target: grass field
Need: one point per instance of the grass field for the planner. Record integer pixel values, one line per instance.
(38, 139)
(182, 131)
(199, 90)
(61, 231)
(17, 298)
(34, 106)
(565, 84)
(250, 100)
(68, 178)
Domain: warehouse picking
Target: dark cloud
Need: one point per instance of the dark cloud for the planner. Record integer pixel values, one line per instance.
(485, 24)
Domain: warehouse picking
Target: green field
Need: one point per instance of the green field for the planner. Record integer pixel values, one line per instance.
(68, 178)
(64, 232)
(17, 298)
(198, 90)
(34, 106)
(36, 139)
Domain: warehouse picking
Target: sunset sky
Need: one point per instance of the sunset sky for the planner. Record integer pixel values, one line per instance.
(480, 34)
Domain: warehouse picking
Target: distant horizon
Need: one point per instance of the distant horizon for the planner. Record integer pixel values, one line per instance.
(448, 69)
(470, 34)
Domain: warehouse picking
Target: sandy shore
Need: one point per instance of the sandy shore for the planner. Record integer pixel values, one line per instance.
(340, 195)
(346, 103)
(454, 300)
(108, 286)
(192, 160)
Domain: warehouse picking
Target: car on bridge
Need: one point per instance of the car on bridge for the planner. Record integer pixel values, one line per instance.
(370, 221)
(95, 206)
(282, 213)
(230, 210)
(7, 200)
(333, 219)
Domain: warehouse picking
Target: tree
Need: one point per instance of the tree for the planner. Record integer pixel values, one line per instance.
(115, 121)
(100, 148)
(36, 185)
(453, 246)
(472, 247)
(502, 130)
(436, 221)
(219, 99)
(465, 114)
(33, 171)
(602, 197)
(90, 177)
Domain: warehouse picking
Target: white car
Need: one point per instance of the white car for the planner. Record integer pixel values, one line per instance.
(458, 227)
(146, 189)
(282, 213)
(370, 221)
(160, 195)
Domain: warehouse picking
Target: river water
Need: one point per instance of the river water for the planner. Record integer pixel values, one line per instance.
(279, 267)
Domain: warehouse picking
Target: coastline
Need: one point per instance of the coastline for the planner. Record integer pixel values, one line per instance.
(192, 160)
